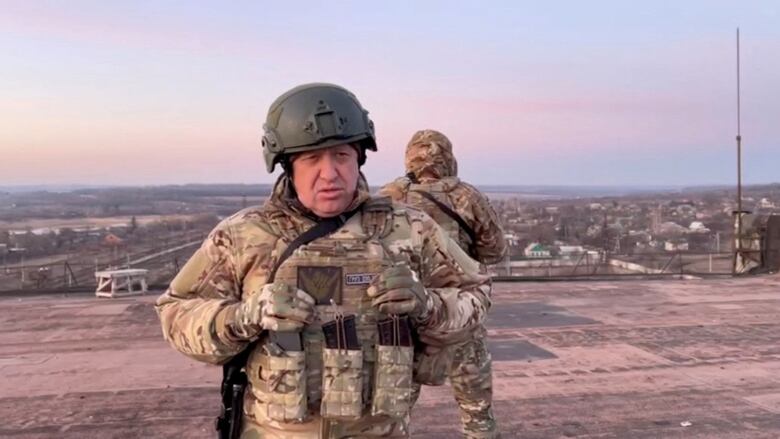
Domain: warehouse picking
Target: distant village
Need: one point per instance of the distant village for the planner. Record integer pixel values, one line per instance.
(68, 236)
(647, 224)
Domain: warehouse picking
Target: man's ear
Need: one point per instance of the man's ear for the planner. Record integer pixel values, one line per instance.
(286, 163)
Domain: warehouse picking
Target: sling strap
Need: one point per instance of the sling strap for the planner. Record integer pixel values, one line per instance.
(454, 215)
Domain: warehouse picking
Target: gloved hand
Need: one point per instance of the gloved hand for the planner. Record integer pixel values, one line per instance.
(397, 290)
(278, 307)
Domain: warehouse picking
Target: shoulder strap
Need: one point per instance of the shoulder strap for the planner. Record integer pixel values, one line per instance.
(375, 220)
(322, 228)
(452, 214)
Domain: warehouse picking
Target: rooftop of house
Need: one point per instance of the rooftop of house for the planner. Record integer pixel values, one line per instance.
(586, 359)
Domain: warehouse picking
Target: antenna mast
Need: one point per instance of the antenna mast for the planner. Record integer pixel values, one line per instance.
(738, 242)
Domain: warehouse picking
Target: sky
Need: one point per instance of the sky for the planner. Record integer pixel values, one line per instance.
(529, 92)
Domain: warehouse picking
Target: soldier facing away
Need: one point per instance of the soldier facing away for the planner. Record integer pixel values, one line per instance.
(325, 303)
(432, 184)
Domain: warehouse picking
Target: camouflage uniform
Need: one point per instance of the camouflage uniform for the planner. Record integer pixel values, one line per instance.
(234, 263)
(432, 168)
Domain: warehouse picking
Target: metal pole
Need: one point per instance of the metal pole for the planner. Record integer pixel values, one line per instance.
(679, 258)
(739, 158)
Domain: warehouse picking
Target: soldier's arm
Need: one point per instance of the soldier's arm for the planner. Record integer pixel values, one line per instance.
(197, 310)
(459, 291)
(491, 245)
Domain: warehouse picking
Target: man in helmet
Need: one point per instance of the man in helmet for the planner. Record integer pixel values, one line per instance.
(322, 303)
(432, 185)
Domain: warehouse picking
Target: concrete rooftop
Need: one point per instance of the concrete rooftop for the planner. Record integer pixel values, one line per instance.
(622, 359)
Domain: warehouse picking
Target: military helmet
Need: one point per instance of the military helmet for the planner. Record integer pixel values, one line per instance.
(315, 116)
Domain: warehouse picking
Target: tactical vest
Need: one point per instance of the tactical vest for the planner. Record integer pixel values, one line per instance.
(338, 384)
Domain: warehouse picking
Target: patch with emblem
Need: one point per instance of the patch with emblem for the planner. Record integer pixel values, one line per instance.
(321, 283)
(359, 278)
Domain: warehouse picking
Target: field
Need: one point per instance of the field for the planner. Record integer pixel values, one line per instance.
(46, 225)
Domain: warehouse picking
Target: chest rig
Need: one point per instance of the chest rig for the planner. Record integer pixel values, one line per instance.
(358, 376)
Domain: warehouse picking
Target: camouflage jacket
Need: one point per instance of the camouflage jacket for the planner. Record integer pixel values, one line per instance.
(235, 260)
(431, 167)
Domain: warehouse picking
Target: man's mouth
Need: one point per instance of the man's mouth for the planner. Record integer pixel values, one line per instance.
(334, 192)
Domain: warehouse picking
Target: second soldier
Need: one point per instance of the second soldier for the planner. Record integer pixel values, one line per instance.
(432, 184)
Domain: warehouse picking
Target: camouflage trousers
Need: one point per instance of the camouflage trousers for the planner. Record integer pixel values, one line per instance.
(471, 376)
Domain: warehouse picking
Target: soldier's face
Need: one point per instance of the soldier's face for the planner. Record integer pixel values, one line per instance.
(326, 179)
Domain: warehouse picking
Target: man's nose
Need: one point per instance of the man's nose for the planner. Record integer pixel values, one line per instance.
(328, 170)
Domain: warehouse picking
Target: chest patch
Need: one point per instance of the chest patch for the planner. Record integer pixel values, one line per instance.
(321, 283)
(359, 278)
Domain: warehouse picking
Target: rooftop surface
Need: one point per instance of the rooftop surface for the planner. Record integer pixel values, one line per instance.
(621, 359)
